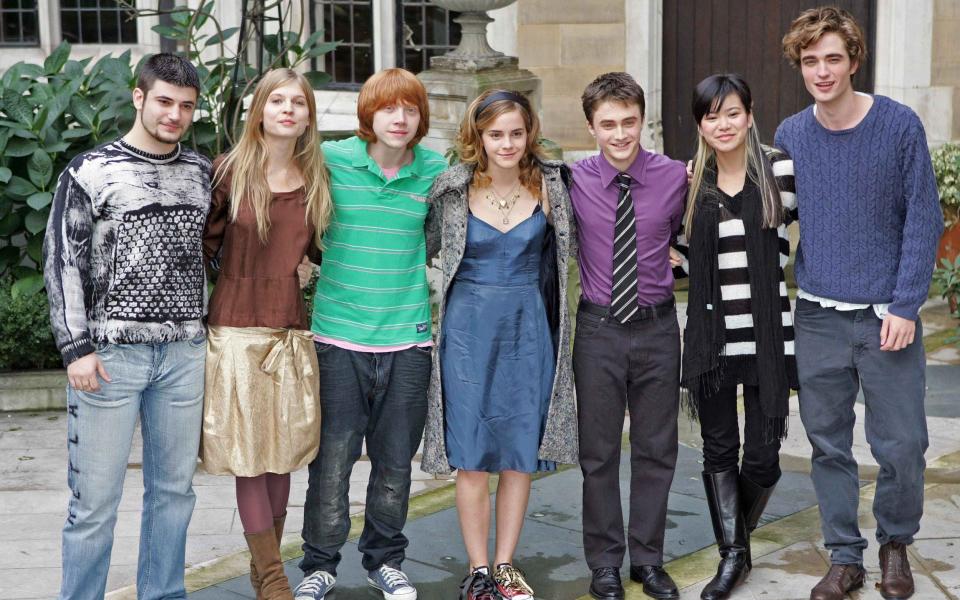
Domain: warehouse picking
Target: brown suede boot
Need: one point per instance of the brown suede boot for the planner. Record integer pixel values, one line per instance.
(896, 580)
(266, 557)
(254, 577)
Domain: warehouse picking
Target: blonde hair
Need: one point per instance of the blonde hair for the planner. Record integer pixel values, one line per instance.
(470, 140)
(814, 23)
(246, 162)
(708, 97)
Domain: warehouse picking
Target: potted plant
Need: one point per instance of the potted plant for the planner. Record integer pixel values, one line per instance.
(946, 166)
(947, 279)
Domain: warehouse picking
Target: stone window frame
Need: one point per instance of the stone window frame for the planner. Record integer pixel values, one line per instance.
(18, 14)
(426, 48)
(321, 15)
(104, 14)
(387, 43)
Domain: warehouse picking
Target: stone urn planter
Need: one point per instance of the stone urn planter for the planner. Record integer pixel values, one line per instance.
(473, 53)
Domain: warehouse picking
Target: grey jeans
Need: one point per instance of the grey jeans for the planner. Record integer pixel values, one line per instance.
(838, 352)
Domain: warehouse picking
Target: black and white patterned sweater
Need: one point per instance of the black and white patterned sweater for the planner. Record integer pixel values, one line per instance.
(123, 259)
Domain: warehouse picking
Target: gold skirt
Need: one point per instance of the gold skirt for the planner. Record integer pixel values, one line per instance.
(261, 404)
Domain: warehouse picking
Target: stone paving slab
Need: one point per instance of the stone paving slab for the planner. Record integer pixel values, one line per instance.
(550, 549)
(33, 498)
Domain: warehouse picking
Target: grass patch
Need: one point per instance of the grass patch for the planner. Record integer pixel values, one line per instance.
(938, 340)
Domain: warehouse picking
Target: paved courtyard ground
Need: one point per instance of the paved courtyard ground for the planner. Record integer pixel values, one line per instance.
(789, 557)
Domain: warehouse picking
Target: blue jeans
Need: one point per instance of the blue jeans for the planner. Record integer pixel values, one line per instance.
(162, 384)
(380, 398)
(838, 353)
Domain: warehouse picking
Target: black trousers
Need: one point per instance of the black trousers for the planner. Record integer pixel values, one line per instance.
(635, 365)
(720, 430)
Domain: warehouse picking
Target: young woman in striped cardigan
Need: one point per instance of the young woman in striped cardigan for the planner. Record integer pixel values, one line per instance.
(739, 329)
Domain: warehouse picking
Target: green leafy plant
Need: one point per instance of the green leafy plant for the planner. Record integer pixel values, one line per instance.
(49, 113)
(25, 338)
(946, 166)
(223, 57)
(947, 279)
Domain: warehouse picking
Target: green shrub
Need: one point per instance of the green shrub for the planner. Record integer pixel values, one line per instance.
(946, 166)
(49, 113)
(25, 338)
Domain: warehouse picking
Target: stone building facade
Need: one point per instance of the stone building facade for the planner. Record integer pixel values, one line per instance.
(565, 42)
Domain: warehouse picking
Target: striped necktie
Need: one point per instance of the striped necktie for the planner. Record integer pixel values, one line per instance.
(623, 296)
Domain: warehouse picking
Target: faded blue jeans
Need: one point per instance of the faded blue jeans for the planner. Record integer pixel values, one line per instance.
(380, 398)
(162, 384)
(838, 353)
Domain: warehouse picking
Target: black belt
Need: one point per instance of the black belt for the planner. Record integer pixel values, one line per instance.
(643, 313)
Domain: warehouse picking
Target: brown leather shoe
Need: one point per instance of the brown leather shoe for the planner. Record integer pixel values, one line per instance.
(839, 580)
(896, 580)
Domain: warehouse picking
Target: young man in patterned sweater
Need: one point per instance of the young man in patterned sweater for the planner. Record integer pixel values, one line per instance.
(869, 224)
(123, 267)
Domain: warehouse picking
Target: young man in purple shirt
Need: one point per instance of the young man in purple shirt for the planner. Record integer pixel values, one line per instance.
(629, 206)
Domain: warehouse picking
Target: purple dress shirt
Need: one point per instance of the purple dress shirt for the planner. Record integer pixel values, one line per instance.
(658, 190)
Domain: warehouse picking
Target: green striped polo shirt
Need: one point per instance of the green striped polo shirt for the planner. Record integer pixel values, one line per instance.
(372, 289)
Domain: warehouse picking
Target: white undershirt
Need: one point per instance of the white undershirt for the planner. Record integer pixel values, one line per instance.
(879, 309)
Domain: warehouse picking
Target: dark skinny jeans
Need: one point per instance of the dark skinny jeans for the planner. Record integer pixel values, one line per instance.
(720, 430)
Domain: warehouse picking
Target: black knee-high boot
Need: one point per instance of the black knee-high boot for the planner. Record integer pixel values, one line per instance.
(723, 497)
(753, 501)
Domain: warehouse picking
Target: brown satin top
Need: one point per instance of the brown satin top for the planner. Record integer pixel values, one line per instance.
(258, 284)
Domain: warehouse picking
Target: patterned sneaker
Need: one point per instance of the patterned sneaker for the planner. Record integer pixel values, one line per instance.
(393, 583)
(511, 584)
(478, 585)
(315, 586)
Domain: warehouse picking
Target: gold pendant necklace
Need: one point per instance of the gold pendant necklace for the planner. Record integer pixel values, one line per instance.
(504, 204)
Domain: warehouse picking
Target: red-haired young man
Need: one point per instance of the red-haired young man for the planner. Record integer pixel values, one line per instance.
(371, 321)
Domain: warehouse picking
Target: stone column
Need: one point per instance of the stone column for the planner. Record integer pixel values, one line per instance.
(904, 62)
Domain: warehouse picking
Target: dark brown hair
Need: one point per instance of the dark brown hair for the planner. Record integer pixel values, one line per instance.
(813, 24)
(616, 86)
(170, 68)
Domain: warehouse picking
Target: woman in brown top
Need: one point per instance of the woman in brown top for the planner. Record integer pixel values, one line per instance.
(271, 202)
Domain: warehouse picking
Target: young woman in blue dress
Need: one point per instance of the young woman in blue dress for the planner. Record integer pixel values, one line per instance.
(504, 403)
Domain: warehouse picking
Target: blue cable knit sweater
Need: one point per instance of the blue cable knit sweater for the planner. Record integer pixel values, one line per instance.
(870, 215)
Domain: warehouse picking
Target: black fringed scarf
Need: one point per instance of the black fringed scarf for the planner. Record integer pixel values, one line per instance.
(703, 359)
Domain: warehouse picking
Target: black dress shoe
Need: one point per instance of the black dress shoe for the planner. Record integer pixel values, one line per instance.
(606, 585)
(656, 582)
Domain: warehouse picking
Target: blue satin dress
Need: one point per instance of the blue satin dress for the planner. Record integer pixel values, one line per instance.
(497, 358)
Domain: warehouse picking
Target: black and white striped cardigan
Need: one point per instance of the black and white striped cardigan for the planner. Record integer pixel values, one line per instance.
(734, 275)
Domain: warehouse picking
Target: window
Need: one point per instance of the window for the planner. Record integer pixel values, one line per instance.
(97, 22)
(351, 23)
(18, 23)
(423, 31)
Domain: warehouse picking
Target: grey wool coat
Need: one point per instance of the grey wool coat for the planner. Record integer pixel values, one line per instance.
(446, 231)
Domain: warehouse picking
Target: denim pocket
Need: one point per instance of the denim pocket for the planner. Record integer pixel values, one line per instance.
(103, 398)
(808, 307)
(588, 324)
(322, 347)
(425, 350)
(668, 323)
(198, 342)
